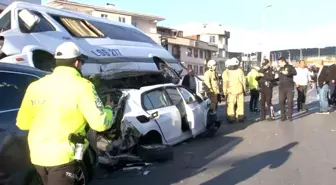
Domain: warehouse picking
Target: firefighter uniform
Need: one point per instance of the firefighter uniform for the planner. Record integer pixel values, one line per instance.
(266, 79)
(211, 84)
(234, 88)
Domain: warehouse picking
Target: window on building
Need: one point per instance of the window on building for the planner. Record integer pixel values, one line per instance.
(42, 26)
(103, 16)
(78, 27)
(212, 39)
(134, 23)
(189, 52)
(201, 54)
(189, 66)
(226, 41)
(196, 53)
(122, 33)
(201, 70)
(176, 51)
(196, 70)
(214, 53)
(122, 19)
(5, 22)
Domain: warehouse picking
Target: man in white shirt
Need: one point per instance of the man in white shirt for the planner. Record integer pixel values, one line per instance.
(302, 79)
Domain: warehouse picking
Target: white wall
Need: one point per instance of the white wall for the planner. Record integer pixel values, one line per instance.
(144, 25)
(113, 17)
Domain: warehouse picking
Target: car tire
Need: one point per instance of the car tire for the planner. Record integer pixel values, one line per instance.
(82, 174)
(155, 152)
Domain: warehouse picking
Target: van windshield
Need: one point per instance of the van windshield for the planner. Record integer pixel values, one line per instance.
(122, 33)
(78, 28)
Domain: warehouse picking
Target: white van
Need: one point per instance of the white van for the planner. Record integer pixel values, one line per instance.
(30, 33)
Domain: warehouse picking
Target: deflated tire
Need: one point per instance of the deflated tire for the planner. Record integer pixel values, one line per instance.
(155, 152)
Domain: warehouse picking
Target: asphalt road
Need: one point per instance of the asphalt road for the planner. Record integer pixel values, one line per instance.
(301, 152)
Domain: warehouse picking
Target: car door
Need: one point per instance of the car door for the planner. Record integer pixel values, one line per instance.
(13, 144)
(196, 112)
(169, 120)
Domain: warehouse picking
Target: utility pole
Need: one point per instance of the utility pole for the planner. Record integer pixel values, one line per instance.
(263, 19)
(301, 54)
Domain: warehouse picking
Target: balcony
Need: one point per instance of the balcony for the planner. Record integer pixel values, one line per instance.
(192, 43)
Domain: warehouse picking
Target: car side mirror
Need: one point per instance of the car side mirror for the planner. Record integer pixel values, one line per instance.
(29, 18)
(199, 99)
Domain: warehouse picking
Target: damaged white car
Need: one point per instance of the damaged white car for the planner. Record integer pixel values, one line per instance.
(152, 114)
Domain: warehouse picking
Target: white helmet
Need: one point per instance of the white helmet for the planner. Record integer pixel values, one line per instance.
(228, 62)
(67, 50)
(212, 63)
(234, 61)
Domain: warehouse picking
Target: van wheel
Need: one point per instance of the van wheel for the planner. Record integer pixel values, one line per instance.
(43, 60)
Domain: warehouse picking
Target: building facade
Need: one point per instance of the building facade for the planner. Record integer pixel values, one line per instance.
(191, 53)
(144, 22)
(5, 3)
(214, 34)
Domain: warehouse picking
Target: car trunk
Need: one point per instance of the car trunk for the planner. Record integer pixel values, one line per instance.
(120, 142)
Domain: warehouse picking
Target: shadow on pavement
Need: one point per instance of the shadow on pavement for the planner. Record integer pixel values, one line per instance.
(189, 158)
(247, 168)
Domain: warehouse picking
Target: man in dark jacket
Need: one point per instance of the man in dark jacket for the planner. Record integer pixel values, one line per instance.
(266, 79)
(332, 85)
(189, 81)
(286, 88)
(323, 77)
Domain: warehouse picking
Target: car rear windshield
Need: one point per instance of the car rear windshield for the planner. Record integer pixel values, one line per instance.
(78, 27)
(122, 32)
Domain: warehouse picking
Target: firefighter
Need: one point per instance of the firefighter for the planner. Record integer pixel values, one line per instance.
(266, 79)
(211, 84)
(234, 88)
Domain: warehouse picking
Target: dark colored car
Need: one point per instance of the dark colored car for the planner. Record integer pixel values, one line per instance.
(15, 166)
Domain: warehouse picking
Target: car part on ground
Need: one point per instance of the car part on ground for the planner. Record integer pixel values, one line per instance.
(155, 152)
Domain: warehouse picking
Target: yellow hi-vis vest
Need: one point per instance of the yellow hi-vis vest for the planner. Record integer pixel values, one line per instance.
(54, 107)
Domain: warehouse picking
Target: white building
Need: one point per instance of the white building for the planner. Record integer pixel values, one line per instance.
(5, 3)
(214, 34)
(146, 23)
(192, 53)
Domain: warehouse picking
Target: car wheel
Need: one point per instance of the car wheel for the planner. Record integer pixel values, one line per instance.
(155, 152)
(82, 174)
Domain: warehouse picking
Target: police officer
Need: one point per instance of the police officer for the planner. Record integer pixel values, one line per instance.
(266, 79)
(286, 88)
(56, 106)
(254, 88)
(211, 84)
(234, 88)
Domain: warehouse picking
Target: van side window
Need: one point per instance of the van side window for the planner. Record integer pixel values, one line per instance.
(42, 26)
(78, 28)
(122, 33)
(5, 22)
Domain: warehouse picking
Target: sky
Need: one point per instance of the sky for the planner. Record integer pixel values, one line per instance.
(288, 23)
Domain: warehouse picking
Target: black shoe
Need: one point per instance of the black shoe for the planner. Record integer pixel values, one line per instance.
(283, 119)
(256, 110)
